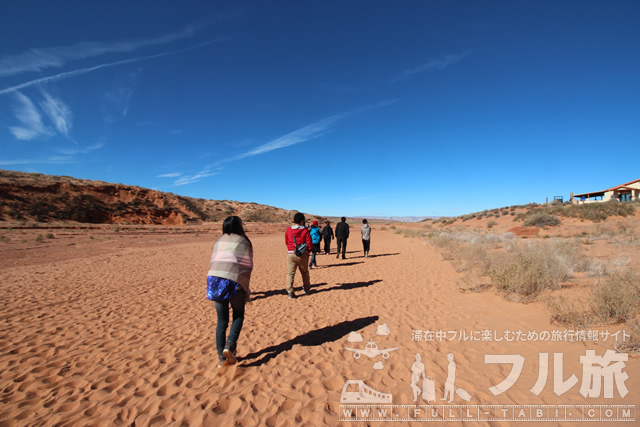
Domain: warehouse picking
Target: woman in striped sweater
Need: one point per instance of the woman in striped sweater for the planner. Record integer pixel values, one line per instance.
(228, 285)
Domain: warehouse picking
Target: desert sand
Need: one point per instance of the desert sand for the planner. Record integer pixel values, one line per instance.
(110, 331)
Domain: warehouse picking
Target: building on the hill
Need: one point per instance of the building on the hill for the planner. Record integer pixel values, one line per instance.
(624, 193)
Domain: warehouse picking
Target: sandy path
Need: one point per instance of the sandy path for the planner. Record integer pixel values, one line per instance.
(129, 337)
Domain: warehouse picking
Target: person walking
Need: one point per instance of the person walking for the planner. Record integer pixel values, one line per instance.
(327, 234)
(366, 237)
(228, 282)
(316, 238)
(342, 234)
(296, 235)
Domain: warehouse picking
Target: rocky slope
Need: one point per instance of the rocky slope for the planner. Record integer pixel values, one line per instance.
(49, 198)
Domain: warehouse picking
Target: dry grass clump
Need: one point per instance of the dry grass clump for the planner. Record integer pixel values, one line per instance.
(542, 220)
(410, 232)
(523, 274)
(633, 343)
(615, 300)
(520, 272)
(569, 312)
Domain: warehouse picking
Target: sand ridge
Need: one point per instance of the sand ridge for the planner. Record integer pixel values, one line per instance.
(128, 336)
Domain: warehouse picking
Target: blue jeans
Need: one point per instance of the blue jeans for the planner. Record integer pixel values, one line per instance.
(222, 308)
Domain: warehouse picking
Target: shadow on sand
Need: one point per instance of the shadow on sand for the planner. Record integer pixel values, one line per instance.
(309, 339)
(344, 264)
(266, 294)
(346, 286)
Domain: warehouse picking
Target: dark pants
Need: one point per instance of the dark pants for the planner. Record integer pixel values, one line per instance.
(222, 308)
(366, 244)
(327, 244)
(315, 248)
(342, 243)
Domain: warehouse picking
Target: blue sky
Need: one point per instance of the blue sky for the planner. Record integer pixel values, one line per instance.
(333, 108)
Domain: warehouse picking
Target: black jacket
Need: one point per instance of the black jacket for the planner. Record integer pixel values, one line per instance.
(327, 232)
(342, 231)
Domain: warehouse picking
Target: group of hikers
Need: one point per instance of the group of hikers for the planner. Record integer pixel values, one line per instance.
(231, 265)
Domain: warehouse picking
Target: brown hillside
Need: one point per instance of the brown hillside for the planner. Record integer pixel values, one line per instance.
(48, 198)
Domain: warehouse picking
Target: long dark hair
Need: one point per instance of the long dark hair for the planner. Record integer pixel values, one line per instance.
(233, 225)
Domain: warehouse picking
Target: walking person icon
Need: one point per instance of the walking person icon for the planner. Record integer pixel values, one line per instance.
(449, 385)
(417, 371)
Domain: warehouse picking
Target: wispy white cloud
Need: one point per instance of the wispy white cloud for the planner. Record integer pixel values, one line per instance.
(194, 178)
(118, 98)
(30, 119)
(73, 73)
(309, 132)
(170, 175)
(55, 57)
(82, 150)
(65, 156)
(432, 64)
(51, 160)
(314, 130)
(58, 112)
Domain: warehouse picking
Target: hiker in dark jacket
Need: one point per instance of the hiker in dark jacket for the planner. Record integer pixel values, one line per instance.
(342, 234)
(327, 234)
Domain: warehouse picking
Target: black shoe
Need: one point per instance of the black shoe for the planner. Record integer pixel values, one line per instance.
(337, 256)
(344, 257)
(292, 295)
(306, 291)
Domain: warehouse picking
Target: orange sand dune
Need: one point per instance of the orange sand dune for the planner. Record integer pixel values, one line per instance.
(125, 335)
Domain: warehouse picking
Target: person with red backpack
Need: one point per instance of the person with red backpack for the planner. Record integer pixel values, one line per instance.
(296, 235)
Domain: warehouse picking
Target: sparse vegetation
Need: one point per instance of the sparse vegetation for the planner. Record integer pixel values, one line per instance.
(618, 298)
(614, 300)
(491, 223)
(39, 238)
(542, 220)
(521, 272)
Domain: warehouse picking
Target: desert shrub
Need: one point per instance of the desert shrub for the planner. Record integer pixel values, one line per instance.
(49, 236)
(633, 343)
(473, 281)
(596, 268)
(542, 220)
(570, 313)
(491, 223)
(412, 232)
(383, 228)
(618, 298)
(524, 274)
(39, 238)
(4, 239)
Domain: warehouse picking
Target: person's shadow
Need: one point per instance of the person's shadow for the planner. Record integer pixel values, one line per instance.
(375, 256)
(344, 264)
(308, 339)
(266, 294)
(347, 286)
